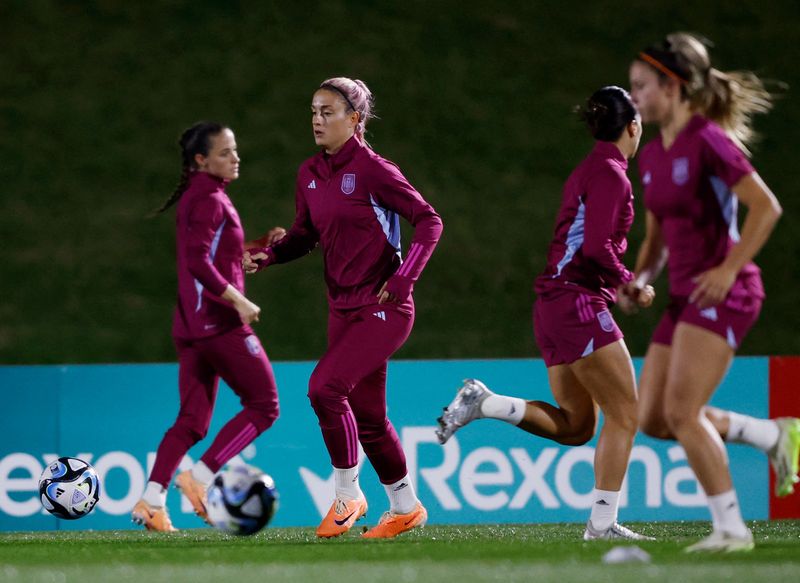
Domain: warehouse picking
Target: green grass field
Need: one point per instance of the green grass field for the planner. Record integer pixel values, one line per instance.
(436, 553)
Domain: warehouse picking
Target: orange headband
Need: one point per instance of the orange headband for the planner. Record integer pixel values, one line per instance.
(663, 68)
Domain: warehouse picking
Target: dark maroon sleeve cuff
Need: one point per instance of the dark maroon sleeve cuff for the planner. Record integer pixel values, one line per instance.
(400, 286)
(265, 262)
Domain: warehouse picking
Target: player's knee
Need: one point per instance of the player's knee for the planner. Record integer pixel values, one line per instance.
(579, 434)
(677, 417)
(190, 430)
(625, 418)
(263, 413)
(654, 425)
(325, 392)
(370, 431)
(576, 439)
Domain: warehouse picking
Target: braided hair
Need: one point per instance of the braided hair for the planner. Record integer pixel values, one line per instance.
(193, 141)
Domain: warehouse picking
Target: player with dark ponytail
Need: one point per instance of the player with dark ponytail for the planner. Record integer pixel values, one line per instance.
(695, 174)
(211, 327)
(588, 364)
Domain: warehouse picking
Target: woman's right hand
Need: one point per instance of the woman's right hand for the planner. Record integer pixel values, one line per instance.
(645, 297)
(632, 296)
(248, 311)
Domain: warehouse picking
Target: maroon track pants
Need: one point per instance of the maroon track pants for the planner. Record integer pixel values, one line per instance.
(238, 357)
(348, 387)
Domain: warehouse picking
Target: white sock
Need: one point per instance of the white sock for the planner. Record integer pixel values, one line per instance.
(726, 515)
(155, 495)
(347, 487)
(604, 508)
(202, 474)
(402, 497)
(760, 433)
(508, 409)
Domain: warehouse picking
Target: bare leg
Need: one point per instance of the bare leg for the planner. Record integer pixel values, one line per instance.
(609, 378)
(698, 364)
(605, 379)
(652, 384)
(573, 421)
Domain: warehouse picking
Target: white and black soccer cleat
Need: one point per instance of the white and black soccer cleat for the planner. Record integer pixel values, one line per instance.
(465, 407)
(614, 532)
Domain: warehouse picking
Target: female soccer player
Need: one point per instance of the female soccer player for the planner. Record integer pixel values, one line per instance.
(348, 200)
(588, 364)
(694, 174)
(211, 327)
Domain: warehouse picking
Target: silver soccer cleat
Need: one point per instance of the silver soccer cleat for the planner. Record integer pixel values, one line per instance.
(465, 407)
(722, 542)
(613, 532)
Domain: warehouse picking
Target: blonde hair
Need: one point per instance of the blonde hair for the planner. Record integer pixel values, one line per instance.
(730, 99)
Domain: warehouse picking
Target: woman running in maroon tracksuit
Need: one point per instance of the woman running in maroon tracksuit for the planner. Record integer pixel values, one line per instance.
(349, 200)
(211, 328)
(588, 364)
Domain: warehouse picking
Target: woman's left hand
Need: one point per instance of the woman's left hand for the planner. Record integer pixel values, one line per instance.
(712, 286)
(386, 296)
(396, 290)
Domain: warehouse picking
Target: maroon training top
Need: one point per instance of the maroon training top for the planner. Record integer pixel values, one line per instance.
(594, 219)
(209, 241)
(688, 189)
(350, 203)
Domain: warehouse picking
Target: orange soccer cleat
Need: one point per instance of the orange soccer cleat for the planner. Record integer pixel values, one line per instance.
(392, 524)
(341, 517)
(152, 517)
(194, 491)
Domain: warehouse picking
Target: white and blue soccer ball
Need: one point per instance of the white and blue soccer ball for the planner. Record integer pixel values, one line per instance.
(69, 488)
(242, 500)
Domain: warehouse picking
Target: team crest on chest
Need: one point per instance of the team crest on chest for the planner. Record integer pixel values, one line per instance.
(680, 171)
(348, 183)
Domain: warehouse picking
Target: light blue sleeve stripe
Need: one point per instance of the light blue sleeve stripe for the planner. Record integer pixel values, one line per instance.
(729, 205)
(212, 253)
(390, 224)
(574, 238)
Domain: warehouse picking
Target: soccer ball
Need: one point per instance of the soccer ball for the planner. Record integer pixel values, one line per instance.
(242, 500)
(69, 488)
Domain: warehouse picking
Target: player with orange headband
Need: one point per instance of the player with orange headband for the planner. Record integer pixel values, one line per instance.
(694, 175)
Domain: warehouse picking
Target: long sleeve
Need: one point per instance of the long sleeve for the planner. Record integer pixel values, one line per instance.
(607, 196)
(301, 238)
(395, 192)
(205, 224)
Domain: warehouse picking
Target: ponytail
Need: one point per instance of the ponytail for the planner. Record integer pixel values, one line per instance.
(731, 100)
(193, 141)
(728, 99)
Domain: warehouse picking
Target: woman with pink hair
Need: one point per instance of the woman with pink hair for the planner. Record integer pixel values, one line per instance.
(349, 201)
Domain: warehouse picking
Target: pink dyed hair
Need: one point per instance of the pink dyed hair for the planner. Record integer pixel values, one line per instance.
(356, 96)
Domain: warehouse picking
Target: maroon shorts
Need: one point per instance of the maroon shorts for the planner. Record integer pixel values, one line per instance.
(569, 325)
(730, 320)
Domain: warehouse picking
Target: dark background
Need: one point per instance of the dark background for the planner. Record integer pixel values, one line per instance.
(475, 103)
